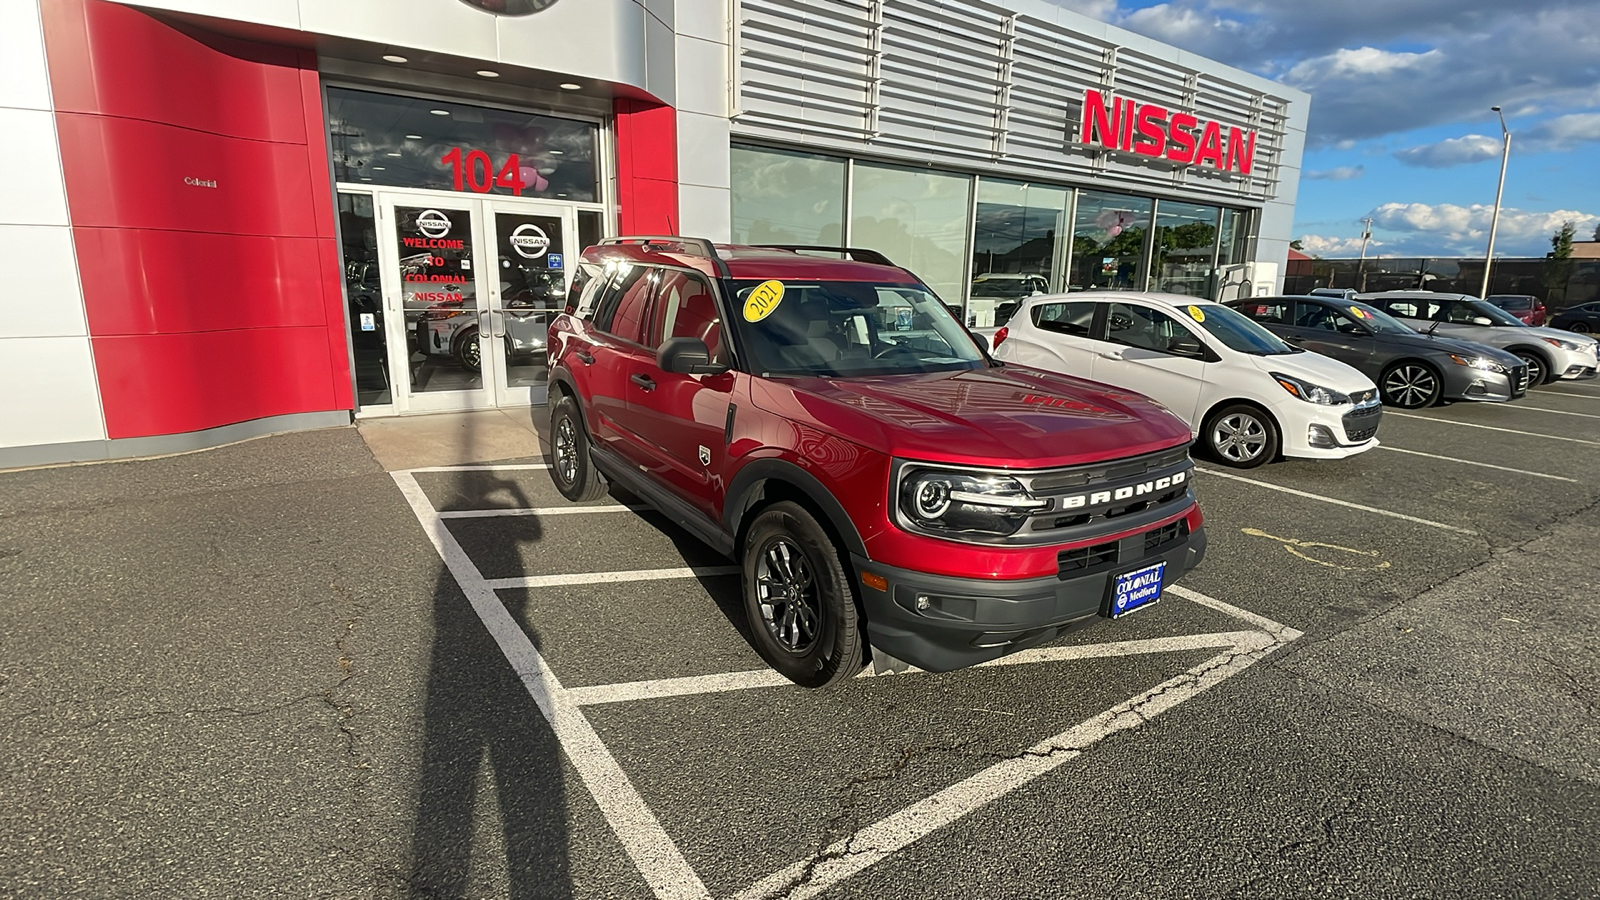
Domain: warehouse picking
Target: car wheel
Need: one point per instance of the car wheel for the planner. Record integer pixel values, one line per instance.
(570, 466)
(1537, 370)
(1410, 385)
(801, 607)
(1241, 436)
(1580, 327)
(469, 350)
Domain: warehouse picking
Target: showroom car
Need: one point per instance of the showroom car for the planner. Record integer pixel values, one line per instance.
(1247, 395)
(1550, 353)
(1583, 318)
(886, 487)
(1412, 370)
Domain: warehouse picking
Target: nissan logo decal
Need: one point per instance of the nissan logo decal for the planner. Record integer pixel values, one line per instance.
(511, 7)
(530, 241)
(433, 223)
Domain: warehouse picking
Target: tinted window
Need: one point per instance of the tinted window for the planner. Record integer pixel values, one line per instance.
(1071, 318)
(1236, 332)
(1324, 318)
(623, 309)
(1145, 328)
(1276, 312)
(686, 307)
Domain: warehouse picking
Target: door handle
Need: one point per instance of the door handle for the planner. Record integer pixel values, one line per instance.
(496, 315)
(584, 357)
(1109, 354)
(644, 381)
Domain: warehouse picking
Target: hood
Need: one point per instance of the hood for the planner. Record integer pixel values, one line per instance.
(1561, 334)
(1010, 416)
(1462, 347)
(1317, 369)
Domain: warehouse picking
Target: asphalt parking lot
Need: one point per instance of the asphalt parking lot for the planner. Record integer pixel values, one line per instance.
(275, 669)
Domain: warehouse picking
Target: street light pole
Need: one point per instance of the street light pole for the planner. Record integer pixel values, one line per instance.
(1494, 220)
(1361, 267)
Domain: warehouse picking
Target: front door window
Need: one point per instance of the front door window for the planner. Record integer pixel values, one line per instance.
(532, 268)
(439, 298)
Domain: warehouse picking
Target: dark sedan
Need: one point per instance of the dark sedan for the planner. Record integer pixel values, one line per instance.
(1411, 370)
(1584, 319)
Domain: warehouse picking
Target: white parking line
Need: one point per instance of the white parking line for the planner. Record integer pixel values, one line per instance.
(539, 581)
(1346, 503)
(1579, 394)
(538, 511)
(1552, 437)
(1523, 407)
(1473, 462)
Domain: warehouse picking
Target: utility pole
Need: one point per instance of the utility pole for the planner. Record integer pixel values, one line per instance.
(1361, 267)
(1494, 221)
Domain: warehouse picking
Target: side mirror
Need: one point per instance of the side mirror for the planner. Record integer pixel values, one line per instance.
(1186, 347)
(687, 356)
(1481, 320)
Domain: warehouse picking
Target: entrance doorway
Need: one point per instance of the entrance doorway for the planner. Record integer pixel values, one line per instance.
(469, 286)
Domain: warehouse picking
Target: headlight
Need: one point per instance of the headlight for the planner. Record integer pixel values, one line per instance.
(1569, 346)
(1311, 393)
(1479, 362)
(948, 502)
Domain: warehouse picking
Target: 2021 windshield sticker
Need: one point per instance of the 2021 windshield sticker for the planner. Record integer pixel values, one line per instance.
(763, 300)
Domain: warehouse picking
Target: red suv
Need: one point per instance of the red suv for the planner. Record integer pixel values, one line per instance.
(819, 416)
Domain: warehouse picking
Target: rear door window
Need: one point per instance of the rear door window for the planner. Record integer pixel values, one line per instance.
(1072, 317)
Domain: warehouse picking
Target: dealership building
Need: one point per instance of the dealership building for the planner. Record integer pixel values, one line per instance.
(237, 217)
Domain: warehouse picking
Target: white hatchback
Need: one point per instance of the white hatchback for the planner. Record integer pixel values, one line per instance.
(1247, 396)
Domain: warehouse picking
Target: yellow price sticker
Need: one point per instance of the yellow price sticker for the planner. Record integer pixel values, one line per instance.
(1195, 313)
(1358, 312)
(763, 300)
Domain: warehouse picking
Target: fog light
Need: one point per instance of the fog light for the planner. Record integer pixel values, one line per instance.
(922, 602)
(1320, 436)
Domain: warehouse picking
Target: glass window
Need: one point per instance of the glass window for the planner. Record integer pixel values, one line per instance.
(1108, 241)
(1017, 241)
(411, 142)
(358, 233)
(624, 308)
(686, 307)
(1236, 332)
(1234, 246)
(1185, 240)
(786, 198)
(918, 219)
(1315, 315)
(1276, 312)
(1072, 317)
(439, 293)
(590, 229)
(1147, 329)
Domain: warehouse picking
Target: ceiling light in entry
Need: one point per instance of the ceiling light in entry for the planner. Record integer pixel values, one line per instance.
(377, 168)
(440, 112)
(391, 154)
(569, 86)
(413, 137)
(558, 152)
(488, 74)
(390, 57)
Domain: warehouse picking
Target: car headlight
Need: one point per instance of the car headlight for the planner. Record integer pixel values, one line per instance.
(1311, 393)
(949, 502)
(1479, 362)
(1569, 346)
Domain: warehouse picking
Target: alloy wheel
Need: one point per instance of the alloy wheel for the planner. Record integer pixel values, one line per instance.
(566, 451)
(1239, 437)
(1411, 387)
(471, 353)
(1535, 370)
(787, 593)
(1580, 327)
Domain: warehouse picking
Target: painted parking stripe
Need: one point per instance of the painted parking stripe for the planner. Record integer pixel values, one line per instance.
(538, 511)
(488, 467)
(1345, 503)
(1473, 462)
(1523, 407)
(1580, 395)
(540, 581)
(658, 859)
(1552, 437)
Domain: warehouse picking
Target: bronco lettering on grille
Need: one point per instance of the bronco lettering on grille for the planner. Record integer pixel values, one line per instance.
(1078, 501)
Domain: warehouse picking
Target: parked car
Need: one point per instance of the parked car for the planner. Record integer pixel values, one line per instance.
(1412, 370)
(1528, 308)
(1247, 395)
(886, 487)
(1339, 293)
(994, 296)
(1583, 319)
(1551, 354)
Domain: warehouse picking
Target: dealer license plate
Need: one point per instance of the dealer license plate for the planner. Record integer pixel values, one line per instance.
(1137, 589)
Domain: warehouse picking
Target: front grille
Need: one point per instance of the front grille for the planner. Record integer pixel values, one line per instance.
(1361, 424)
(1087, 559)
(1156, 538)
(1519, 380)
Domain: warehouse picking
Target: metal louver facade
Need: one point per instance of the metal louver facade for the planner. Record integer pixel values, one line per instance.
(964, 84)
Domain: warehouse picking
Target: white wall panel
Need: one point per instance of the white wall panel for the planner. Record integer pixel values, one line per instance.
(705, 212)
(703, 19)
(48, 302)
(702, 76)
(34, 192)
(50, 395)
(703, 148)
(601, 39)
(26, 84)
(454, 28)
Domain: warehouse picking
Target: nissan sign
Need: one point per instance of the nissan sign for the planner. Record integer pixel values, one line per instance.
(1149, 129)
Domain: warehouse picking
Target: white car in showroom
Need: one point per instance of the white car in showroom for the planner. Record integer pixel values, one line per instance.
(1247, 395)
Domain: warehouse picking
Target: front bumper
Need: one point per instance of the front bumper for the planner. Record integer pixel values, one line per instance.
(1466, 383)
(1310, 431)
(965, 621)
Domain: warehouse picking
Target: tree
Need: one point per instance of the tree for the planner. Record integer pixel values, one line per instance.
(1558, 264)
(1597, 231)
(1296, 245)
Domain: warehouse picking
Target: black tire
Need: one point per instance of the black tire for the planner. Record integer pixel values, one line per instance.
(570, 466)
(1241, 436)
(799, 600)
(1579, 327)
(469, 350)
(1409, 384)
(1538, 368)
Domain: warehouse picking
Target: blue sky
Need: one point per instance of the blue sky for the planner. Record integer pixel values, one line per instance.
(1400, 127)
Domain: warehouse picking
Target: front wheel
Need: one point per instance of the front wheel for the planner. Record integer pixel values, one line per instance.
(1241, 436)
(1537, 370)
(802, 610)
(469, 352)
(571, 468)
(1410, 385)
(1579, 327)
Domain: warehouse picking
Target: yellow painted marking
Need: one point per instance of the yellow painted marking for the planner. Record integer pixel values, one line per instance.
(1297, 547)
(763, 300)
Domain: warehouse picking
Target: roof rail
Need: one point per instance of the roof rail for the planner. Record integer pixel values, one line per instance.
(694, 246)
(859, 254)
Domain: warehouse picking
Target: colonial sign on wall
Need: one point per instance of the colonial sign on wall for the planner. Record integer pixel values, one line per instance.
(1149, 129)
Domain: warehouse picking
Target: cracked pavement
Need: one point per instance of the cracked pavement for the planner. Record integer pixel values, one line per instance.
(244, 672)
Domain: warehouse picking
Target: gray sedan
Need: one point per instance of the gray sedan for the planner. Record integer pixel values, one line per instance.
(1411, 370)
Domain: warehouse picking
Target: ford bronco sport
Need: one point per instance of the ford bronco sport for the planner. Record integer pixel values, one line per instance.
(889, 490)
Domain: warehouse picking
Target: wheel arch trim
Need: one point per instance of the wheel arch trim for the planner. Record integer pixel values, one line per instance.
(748, 486)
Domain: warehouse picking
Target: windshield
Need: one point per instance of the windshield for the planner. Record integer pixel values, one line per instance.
(845, 328)
(1239, 333)
(1488, 310)
(1379, 321)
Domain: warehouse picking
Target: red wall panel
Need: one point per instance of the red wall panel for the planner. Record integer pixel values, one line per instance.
(138, 281)
(173, 383)
(647, 167)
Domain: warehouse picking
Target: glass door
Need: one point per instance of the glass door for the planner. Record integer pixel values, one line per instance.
(530, 257)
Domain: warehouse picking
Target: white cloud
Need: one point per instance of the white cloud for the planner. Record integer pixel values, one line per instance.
(1318, 245)
(1459, 151)
(1341, 173)
(1561, 133)
(1464, 230)
(1104, 10)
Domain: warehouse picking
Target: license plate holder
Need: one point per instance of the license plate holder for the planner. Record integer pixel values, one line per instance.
(1131, 591)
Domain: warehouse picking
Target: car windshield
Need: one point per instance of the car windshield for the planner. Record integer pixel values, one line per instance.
(845, 328)
(1239, 333)
(1489, 311)
(1379, 321)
